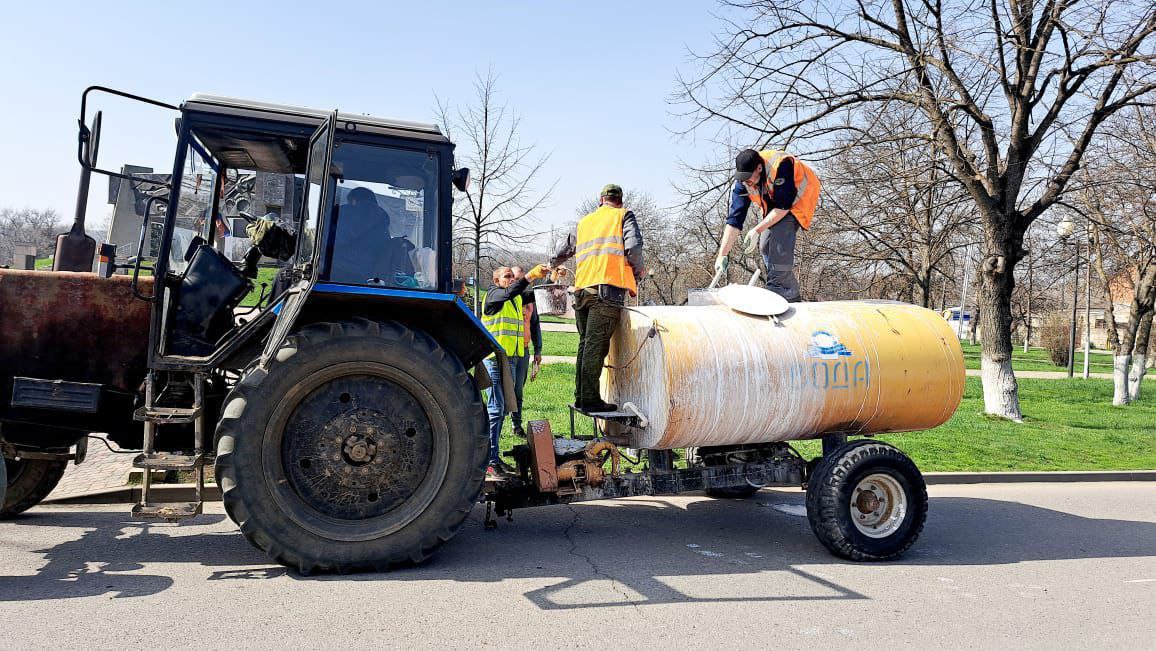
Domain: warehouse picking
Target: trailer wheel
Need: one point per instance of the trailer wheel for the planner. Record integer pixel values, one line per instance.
(867, 501)
(29, 481)
(362, 446)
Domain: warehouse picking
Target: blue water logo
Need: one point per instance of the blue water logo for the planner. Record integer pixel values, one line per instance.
(825, 345)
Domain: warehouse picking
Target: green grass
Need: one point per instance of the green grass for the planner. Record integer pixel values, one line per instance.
(1036, 359)
(43, 263)
(264, 275)
(559, 343)
(556, 319)
(1068, 425)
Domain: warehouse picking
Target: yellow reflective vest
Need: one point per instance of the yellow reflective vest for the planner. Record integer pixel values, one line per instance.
(600, 251)
(507, 326)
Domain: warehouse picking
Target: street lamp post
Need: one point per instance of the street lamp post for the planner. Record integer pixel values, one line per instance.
(1065, 229)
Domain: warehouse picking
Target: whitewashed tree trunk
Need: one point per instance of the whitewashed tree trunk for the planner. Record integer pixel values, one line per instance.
(1121, 390)
(1000, 389)
(1136, 378)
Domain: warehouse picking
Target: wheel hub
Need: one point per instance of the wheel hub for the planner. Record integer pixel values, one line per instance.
(359, 450)
(878, 505)
(357, 447)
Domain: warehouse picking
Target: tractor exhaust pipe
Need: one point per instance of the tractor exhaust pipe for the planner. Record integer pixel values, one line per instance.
(75, 250)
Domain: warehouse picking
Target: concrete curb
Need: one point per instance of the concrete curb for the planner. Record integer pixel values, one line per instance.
(185, 492)
(1060, 476)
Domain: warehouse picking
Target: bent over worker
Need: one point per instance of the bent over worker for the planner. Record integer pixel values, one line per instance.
(608, 247)
(786, 190)
(503, 317)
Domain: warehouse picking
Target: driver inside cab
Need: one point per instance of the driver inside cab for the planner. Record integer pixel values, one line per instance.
(364, 253)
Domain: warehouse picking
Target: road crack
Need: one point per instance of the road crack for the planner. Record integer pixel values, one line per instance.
(574, 550)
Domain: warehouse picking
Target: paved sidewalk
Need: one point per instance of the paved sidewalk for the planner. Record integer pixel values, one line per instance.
(102, 470)
(559, 327)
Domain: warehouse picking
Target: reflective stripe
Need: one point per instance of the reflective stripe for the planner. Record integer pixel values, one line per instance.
(599, 241)
(799, 188)
(496, 319)
(602, 251)
(506, 333)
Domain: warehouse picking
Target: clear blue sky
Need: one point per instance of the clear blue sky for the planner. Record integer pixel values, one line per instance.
(591, 80)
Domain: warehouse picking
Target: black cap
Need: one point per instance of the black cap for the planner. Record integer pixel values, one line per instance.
(746, 163)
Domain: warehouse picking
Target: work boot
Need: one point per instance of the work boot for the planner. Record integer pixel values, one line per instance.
(501, 468)
(598, 406)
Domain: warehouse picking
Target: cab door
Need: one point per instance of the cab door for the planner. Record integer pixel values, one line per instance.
(311, 232)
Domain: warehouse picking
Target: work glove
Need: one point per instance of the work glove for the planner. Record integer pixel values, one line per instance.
(538, 272)
(721, 264)
(752, 241)
(535, 367)
(559, 274)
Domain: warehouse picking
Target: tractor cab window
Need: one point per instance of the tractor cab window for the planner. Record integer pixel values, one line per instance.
(194, 205)
(384, 220)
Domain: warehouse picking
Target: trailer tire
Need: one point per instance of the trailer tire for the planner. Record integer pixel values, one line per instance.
(28, 482)
(867, 501)
(362, 446)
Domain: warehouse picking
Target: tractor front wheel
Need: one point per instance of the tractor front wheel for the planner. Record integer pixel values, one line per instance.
(362, 446)
(28, 482)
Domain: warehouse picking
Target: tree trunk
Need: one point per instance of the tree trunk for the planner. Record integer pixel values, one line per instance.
(478, 273)
(1000, 390)
(1121, 366)
(1140, 358)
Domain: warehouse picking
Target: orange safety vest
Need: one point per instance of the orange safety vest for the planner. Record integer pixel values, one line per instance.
(600, 252)
(806, 186)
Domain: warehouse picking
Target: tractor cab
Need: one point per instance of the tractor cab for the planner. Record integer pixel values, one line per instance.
(354, 206)
(279, 221)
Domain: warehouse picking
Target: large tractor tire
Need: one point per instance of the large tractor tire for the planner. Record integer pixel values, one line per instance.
(29, 481)
(362, 446)
(867, 501)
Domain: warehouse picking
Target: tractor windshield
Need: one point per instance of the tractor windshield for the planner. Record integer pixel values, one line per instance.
(384, 229)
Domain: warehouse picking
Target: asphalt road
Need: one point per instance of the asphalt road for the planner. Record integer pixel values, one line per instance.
(1038, 566)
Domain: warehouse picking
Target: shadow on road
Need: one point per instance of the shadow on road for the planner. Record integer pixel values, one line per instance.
(632, 552)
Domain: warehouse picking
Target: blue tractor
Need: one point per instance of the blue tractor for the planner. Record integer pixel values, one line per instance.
(347, 430)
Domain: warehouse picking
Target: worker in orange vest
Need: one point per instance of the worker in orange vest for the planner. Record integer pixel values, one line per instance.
(786, 190)
(608, 247)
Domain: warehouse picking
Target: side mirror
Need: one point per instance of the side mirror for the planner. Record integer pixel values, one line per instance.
(461, 178)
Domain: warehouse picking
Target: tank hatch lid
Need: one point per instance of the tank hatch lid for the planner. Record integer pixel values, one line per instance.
(753, 300)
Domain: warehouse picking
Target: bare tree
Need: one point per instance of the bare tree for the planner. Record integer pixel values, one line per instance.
(897, 206)
(1116, 193)
(28, 226)
(498, 214)
(1014, 93)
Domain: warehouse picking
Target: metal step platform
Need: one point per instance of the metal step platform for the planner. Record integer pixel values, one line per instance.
(167, 415)
(152, 459)
(169, 512)
(168, 461)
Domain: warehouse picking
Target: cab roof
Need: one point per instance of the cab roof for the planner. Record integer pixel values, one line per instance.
(215, 104)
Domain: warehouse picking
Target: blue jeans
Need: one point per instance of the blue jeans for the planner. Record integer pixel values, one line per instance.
(521, 367)
(496, 404)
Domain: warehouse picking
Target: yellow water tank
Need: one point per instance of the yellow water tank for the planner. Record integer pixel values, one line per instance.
(713, 376)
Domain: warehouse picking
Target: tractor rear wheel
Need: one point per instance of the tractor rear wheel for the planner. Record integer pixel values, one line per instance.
(28, 482)
(362, 446)
(866, 501)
